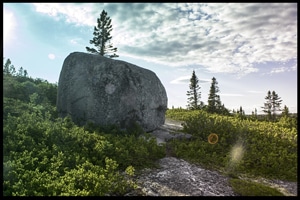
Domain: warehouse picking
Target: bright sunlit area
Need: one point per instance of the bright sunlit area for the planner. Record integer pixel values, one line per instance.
(8, 25)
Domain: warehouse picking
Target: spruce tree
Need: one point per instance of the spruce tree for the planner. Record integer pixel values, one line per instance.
(224, 110)
(241, 113)
(272, 105)
(194, 94)
(102, 37)
(268, 105)
(285, 112)
(276, 102)
(8, 68)
(254, 114)
(214, 101)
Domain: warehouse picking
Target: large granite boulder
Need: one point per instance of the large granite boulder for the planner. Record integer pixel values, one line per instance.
(110, 92)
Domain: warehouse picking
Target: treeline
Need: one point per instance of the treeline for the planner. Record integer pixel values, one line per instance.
(44, 155)
(271, 107)
(18, 85)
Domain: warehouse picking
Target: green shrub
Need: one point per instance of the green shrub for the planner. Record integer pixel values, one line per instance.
(48, 156)
(268, 149)
(248, 188)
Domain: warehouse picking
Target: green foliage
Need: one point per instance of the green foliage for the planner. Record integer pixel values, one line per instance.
(248, 188)
(130, 170)
(288, 122)
(140, 152)
(267, 149)
(21, 87)
(44, 155)
(92, 180)
(130, 147)
(15, 107)
(179, 114)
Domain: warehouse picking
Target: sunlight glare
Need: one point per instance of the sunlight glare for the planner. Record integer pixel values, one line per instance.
(8, 24)
(236, 155)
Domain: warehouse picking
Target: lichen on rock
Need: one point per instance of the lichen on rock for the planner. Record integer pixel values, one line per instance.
(110, 92)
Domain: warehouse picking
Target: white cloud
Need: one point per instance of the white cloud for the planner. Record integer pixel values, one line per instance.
(221, 37)
(48, 8)
(278, 70)
(80, 14)
(294, 67)
(51, 56)
(283, 69)
(9, 25)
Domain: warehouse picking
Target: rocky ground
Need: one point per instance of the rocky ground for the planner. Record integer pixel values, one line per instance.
(176, 177)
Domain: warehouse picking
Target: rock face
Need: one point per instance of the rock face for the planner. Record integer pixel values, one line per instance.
(170, 131)
(176, 177)
(110, 92)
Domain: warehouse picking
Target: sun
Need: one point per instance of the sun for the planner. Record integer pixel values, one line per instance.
(8, 25)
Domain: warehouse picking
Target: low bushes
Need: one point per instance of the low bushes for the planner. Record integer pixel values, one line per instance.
(257, 148)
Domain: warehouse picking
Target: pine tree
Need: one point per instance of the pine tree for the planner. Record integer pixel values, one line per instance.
(254, 115)
(193, 94)
(267, 105)
(224, 110)
(285, 112)
(20, 72)
(8, 68)
(272, 105)
(233, 112)
(214, 101)
(102, 37)
(276, 102)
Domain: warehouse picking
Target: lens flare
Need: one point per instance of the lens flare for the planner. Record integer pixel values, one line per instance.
(213, 138)
(236, 154)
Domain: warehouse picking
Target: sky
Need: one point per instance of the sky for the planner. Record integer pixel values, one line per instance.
(250, 48)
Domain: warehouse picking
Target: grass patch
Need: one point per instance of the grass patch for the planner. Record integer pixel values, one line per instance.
(249, 188)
